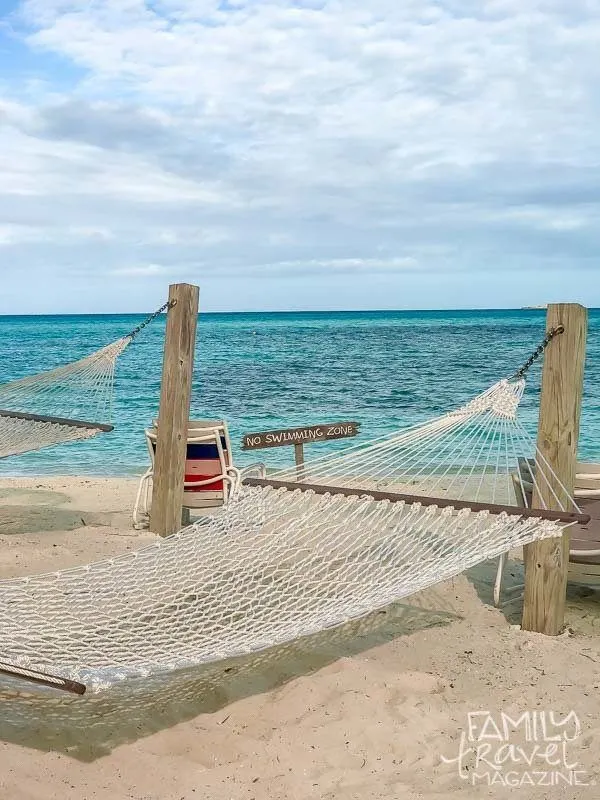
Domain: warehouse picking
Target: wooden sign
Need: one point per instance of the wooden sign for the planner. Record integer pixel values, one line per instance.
(300, 436)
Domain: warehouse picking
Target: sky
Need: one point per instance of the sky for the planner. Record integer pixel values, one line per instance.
(299, 154)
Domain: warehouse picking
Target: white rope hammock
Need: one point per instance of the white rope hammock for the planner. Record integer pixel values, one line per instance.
(471, 454)
(65, 404)
(280, 563)
(61, 399)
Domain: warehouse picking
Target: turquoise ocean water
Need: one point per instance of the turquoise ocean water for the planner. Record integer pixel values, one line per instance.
(385, 370)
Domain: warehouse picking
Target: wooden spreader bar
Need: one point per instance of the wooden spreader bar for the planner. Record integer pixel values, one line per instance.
(42, 678)
(410, 499)
(72, 423)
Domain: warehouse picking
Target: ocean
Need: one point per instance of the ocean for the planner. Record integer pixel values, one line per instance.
(385, 370)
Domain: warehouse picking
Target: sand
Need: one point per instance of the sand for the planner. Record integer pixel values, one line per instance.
(369, 710)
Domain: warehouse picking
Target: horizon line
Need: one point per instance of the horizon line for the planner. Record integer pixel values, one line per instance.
(288, 311)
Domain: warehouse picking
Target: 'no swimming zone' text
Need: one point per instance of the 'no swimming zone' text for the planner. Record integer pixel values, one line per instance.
(312, 433)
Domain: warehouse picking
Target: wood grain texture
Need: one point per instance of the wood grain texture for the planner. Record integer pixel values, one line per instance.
(42, 678)
(546, 562)
(71, 423)
(299, 459)
(173, 416)
(409, 499)
(308, 434)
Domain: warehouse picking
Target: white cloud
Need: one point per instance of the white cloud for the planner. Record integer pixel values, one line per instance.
(139, 271)
(27, 234)
(333, 266)
(287, 136)
(552, 219)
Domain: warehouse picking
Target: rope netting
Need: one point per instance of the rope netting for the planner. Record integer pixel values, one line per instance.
(65, 404)
(294, 553)
(280, 563)
(475, 453)
(23, 433)
(268, 569)
(50, 408)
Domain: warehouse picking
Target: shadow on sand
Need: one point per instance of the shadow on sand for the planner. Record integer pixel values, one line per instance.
(482, 577)
(90, 727)
(583, 608)
(30, 511)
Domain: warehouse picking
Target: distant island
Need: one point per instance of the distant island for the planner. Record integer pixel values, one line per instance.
(534, 308)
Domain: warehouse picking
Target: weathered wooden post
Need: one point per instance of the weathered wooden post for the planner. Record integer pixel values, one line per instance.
(299, 459)
(546, 562)
(174, 412)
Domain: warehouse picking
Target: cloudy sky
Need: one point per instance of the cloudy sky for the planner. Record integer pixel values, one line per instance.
(299, 154)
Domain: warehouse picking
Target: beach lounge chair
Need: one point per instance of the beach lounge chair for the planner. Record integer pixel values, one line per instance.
(584, 542)
(210, 477)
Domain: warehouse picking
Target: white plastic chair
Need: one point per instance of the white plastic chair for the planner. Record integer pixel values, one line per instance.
(584, 559)
(199, 432)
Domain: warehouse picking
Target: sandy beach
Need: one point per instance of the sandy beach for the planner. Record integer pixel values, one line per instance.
(330, 264)
(374, 709)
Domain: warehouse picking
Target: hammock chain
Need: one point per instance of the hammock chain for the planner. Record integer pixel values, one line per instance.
(537, 352)
(165, 307)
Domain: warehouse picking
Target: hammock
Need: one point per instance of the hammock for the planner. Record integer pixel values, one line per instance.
(288, 559)
(54, 407)
(62, 398)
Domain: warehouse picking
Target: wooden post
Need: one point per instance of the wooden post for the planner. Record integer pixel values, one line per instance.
(546, 562)
(174, 412)
(299, 457)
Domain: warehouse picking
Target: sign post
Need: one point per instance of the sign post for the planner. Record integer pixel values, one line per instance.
(299, 458)
(298, 437)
